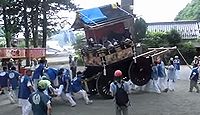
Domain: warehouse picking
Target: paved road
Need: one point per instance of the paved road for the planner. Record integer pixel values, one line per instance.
(180, 102)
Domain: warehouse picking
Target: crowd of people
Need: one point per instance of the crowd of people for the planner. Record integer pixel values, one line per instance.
(35, 89)
(163, 78)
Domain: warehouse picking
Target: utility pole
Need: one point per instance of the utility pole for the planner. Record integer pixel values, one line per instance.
(128, 6)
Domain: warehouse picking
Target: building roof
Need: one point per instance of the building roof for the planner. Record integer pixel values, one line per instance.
(174, 22)
(100, 16)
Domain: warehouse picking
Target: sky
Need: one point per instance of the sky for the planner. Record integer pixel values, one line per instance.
(149, 10)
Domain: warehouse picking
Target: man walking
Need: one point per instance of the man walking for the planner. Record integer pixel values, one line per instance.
(161, 75)
(177, 67)
(194, 78)
(13, 82)
(73, 67)
(119, 89)
(25, 90)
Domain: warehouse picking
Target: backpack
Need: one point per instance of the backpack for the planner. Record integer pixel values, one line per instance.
(121, 96)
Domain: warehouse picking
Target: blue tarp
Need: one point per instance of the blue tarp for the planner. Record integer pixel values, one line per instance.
(91, 16)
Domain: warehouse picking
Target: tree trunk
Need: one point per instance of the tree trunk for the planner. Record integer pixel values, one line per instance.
(34, 20)
(7, 35)
(32, 26)
(36, 27)
(26, 32)
(44, 31)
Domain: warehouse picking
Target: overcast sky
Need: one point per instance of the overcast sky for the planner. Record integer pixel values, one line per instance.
(150, 10)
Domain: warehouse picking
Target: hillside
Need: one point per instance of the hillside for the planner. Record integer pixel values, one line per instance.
(190, 12)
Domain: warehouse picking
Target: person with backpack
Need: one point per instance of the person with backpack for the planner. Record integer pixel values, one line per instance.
(119, 90)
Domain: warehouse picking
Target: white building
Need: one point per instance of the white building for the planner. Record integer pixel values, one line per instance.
(187, 29)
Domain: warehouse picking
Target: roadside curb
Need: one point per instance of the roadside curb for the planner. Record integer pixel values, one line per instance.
(58, 63)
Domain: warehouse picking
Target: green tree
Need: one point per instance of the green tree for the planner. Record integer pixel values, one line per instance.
(190, 12)
(78, 45)
(188, 51)
(13, 14)
(10, 10)
(140, 28)
(173, 38)
(155, 39)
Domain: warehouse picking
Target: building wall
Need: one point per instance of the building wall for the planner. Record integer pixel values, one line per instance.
(187, 29)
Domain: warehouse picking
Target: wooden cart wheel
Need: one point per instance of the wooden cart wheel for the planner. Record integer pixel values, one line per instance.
(103, 86)
(140, 72)
(89, 74)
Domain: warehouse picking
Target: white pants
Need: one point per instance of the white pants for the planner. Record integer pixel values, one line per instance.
(12, 96)
(162, 83)
(26, 107)
(65, 96)
(19, 102)
(152, 86)
(171, 85)
(82, 94)
(177, 73)
(156, 87)
(68, 97)
(59, 90)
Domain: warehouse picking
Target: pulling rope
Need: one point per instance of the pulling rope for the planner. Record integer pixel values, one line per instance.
(184, 59)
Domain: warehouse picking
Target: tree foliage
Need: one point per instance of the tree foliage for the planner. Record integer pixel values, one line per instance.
(140, 28)
(190, 12)
(188, 51)
(162, 39)
(155, 39)
(78, 45)
(173, 38)
(10, 10)
(14, 16)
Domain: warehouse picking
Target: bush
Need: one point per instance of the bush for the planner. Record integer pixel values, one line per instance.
(188, 51)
